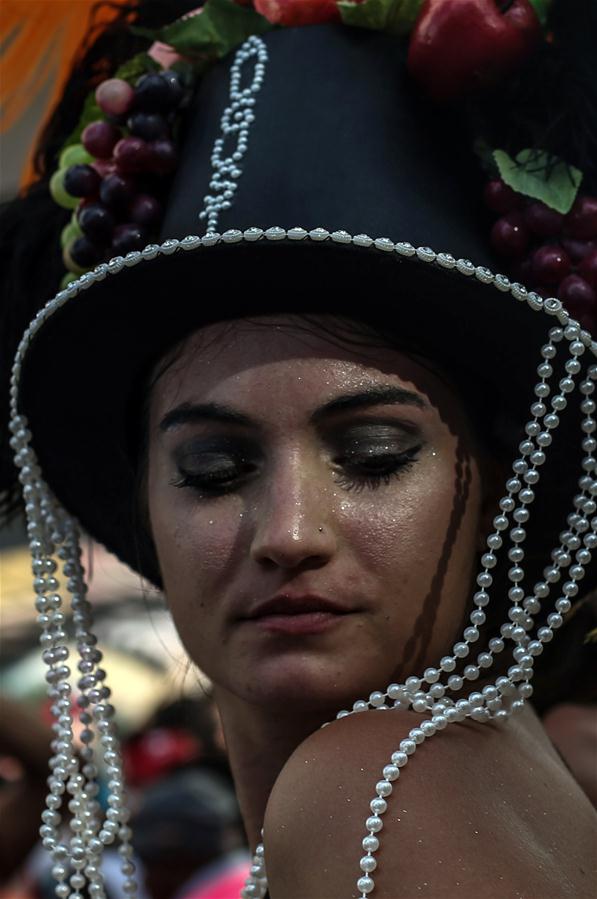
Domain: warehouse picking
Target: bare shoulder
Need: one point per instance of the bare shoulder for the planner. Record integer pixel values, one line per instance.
(474, 812)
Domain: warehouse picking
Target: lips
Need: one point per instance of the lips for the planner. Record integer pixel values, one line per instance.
(289, 605)
(289, 616)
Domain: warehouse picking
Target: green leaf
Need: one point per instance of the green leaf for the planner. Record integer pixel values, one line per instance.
(139, 65)
(540, 175)
(218, 29)
(541, 8)
(393, 16)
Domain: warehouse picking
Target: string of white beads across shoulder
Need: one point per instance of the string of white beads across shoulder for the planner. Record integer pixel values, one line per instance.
(54, 540)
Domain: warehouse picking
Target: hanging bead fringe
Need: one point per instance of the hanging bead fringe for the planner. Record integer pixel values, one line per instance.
(53, 534)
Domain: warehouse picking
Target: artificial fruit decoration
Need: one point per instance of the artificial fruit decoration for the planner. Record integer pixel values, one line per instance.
(459, 45)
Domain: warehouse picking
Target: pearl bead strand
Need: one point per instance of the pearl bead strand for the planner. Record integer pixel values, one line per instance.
(236, 120)
(52, 532)
(53, 538)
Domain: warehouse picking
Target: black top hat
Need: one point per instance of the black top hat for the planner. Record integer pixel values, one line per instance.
(347, 180)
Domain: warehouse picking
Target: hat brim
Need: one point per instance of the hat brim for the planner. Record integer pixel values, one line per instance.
(86, 365)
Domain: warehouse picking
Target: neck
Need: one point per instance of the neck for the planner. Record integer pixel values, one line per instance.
(259, 743)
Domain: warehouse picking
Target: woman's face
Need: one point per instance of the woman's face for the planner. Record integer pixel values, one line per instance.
(316, 509)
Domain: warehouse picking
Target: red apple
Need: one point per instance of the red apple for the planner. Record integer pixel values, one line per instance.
(458, 45)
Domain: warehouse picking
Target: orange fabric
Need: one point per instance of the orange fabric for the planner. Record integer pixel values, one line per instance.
(40, 40)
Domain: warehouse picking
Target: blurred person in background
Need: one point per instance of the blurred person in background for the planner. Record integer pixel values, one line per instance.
(188, 831)
(24, 751)
(186, 731)
(188, 836)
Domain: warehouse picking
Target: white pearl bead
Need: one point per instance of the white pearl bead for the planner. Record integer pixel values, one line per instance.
(368, 864)
(378, 806)
(431, 675)
(408, 746)
(377, 698)
(395, 691)
(370, 843)
(383, 788)
(448, 664)
(399, 759)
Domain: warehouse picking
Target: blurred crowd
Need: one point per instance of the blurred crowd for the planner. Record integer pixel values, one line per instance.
(188, 840)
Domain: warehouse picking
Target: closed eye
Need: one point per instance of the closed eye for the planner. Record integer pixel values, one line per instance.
(373, 468)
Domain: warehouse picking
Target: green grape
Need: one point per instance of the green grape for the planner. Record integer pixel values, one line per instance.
(68, 279)
(59, 194)
(69, 262)
(76, 154)
(70, 233)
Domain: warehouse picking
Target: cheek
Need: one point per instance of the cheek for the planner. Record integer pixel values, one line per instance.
(197, 545)
(423, 527)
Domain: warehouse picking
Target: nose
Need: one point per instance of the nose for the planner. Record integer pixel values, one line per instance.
(293, 520)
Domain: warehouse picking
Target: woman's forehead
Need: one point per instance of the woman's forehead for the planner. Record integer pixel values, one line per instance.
(271, 360)
(224, 349)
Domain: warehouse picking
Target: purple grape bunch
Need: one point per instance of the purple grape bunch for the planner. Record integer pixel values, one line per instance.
(552, 253)
(117, 177)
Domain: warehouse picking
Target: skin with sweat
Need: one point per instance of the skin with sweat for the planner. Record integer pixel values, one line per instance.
(285, 463)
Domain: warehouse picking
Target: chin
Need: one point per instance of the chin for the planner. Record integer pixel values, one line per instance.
(315, 684)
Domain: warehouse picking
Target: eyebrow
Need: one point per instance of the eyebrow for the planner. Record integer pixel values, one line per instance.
(192, 413)
(373, 396)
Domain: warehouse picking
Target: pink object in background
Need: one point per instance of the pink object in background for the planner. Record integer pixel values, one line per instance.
(226, 885)
(166, 55)
(298, 12)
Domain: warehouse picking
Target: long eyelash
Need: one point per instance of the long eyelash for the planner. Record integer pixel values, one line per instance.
(355, 478)
(360, 480)
(198, 483)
